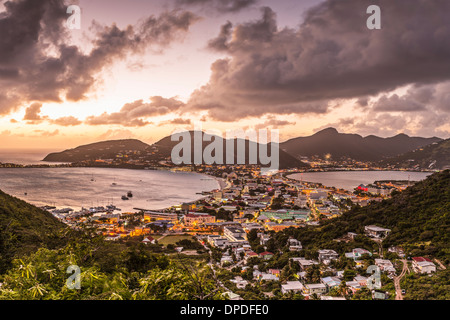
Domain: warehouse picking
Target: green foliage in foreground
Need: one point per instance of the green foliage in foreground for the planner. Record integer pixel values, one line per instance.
(42, 276)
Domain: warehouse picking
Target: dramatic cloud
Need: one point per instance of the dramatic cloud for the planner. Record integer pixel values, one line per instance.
(33, 116)
(37, 65)
(222, 6)
(421, 110)
(332, 55)
(135, 114)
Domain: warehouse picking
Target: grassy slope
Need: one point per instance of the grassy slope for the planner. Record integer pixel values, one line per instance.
(24, 228)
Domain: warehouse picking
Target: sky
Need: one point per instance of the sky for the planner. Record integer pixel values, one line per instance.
(144, 68)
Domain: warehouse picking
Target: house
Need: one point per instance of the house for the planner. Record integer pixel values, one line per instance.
(239, 282)
(305, 263)
(275, 272)
(258, 275)
(249, 255)
(357, 253)
(314, 288)
(326, 256)
(385, 265)
(218, 241)
(149, 240)
(266, 255)
(376, 232)
(268, 277)
(292, 286)
(423, 265)
(155, 216)
(198, 220)
(235, 234)
(361, 280)
(353, 286)
(331, 282)
(294, 245)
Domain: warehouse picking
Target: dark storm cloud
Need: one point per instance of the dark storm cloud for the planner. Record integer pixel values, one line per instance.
(135, 114)
(37, 65)
(222, 6)
(331, 55)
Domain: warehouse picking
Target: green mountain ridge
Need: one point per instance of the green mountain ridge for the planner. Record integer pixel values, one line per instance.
(354, 146)
(99, 150)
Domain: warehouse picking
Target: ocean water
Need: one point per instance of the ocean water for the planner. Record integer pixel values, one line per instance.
(348, 180)
(72, 187)
(24, 157)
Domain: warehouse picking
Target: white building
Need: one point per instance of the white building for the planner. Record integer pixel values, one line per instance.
(235, 234)
(326, 256)
(292, 286)
(376, 232)
(315, 288)
(423, 265)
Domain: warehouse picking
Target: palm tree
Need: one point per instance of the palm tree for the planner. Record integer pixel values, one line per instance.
(38, 290)
(26, 269)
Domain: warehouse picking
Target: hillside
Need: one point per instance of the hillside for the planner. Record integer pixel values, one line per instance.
(419, 219)
(98, 150)
(159, 151)
(339, 145)
(433, 156)
(24, 228)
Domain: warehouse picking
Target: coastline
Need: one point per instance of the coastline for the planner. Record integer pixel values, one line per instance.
(222, 183)
(347, 180)
(213, 184)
